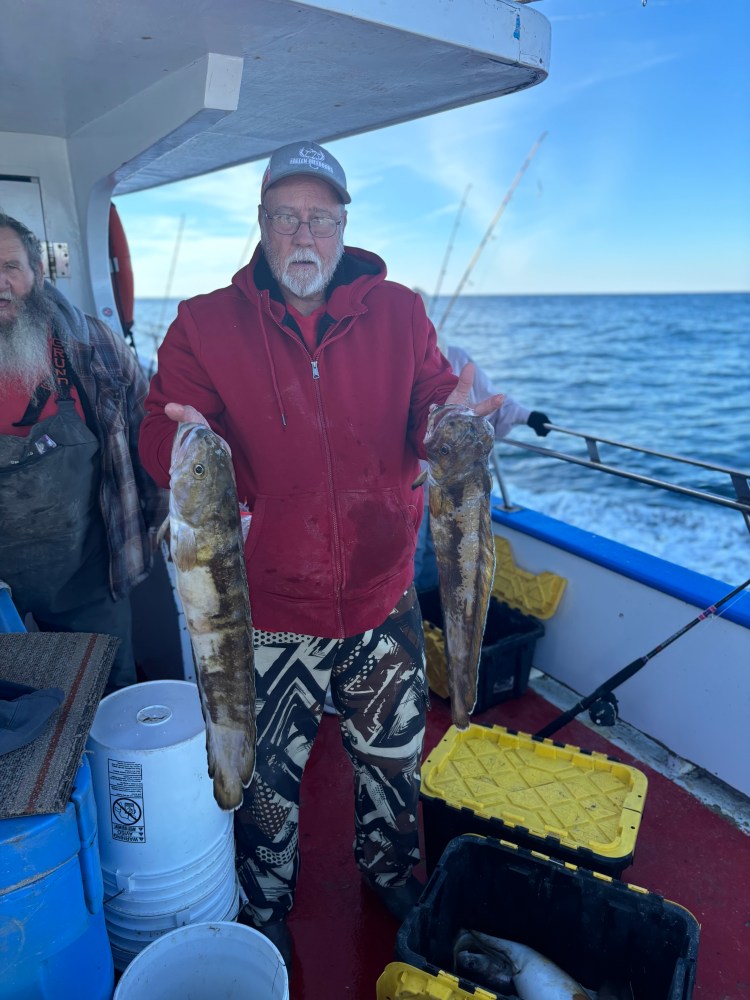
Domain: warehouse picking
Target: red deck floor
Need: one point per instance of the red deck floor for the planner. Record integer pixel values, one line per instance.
(685, 852)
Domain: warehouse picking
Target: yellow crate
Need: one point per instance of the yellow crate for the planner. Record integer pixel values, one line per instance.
(584, 807)
(437, 669)
(403, 982)
(535, 594)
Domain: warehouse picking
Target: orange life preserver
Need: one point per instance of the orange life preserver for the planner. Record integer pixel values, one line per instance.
(121, 270)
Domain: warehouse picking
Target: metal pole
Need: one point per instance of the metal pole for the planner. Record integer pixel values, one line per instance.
(501, 485)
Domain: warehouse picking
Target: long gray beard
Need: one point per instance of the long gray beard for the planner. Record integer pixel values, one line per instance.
(25, 360)
(302, 286)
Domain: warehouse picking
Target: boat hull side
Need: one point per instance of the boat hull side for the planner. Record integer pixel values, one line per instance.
(619, 604)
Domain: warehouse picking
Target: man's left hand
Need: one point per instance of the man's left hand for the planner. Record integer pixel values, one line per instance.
(460, 394)
(537, 421)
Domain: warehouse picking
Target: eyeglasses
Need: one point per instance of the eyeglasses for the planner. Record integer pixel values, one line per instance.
(321, 227)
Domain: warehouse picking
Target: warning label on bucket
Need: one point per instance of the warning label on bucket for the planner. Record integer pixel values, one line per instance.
(126, 801)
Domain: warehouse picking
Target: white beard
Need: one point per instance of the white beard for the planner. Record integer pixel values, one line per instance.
(25, 360)
(302, 285)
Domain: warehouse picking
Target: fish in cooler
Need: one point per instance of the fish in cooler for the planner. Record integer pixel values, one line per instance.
(513, 969)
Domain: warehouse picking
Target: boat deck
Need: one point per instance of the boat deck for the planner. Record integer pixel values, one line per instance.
(685, 851)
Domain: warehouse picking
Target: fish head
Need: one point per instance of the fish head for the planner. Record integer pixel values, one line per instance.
(201, 476)
(457, 441)
(491, 971)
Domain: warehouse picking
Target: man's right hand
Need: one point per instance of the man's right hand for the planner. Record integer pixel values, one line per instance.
(184, 414)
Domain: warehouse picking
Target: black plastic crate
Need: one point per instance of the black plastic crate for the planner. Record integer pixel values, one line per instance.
(593, 927)
(507, 648)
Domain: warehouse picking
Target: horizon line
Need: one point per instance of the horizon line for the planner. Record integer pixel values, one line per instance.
(498, 295)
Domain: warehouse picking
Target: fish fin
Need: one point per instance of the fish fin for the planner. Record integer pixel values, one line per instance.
(439, 504)
(421, 478)
(184, 549)
(228, 793)
(163, 531)
(231, 763)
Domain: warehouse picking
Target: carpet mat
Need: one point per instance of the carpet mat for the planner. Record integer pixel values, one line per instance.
(38, 778)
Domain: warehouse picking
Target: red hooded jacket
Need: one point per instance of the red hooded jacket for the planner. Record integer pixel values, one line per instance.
(325, 447)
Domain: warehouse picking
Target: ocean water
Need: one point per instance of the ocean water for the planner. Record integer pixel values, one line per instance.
(670, 373)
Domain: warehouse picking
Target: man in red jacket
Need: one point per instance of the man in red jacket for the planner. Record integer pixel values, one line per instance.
(319, 374)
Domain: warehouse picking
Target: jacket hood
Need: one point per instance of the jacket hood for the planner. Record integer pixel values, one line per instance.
(357, 273)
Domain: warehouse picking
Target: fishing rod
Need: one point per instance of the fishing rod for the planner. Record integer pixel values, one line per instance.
(158, 337)
(496, 219)
(244, 256)
(448, 250)
(172, 267)
(604, 692)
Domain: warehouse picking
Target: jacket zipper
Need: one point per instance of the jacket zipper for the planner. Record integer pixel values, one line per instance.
(332, 495)
(329, 470)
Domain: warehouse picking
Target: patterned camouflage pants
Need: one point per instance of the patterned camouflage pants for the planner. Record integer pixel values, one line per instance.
(378, 686)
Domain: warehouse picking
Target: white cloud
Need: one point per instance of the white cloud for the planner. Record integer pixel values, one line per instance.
(618, 70)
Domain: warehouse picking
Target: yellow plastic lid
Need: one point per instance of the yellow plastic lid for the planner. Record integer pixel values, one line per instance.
(437, 668)
(536, 594)
(403, 982)
(586, 800)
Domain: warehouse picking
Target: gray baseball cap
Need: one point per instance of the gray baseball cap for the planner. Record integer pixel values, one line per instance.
(309, 159)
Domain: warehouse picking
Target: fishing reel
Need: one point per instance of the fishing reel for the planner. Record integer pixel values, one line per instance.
(603, 711)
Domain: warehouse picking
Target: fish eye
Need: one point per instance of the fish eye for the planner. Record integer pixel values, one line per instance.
(199, 470)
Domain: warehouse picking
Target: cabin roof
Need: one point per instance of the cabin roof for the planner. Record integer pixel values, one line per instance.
(267, 72)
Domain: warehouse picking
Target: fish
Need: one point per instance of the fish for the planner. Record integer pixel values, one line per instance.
(206, 546)
(458, 445)
(471, 961)
(535, 977)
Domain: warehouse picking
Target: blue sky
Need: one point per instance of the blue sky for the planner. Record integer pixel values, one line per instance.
(642, 183)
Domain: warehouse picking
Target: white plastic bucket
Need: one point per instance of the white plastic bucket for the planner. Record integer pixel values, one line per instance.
(204, 962)
(128, 936)
(148, 893)
(166, 848)
(149, 769)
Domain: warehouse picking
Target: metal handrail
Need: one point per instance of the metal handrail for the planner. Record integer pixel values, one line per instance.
(740, 480)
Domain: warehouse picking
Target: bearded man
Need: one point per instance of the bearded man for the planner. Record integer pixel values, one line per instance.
(319, 374)
(77, 509)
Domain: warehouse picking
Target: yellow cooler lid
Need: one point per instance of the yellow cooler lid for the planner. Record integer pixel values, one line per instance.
(584, 799)
(400, 981)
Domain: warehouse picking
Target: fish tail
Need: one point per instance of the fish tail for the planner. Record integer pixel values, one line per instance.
(460, 715)
(231, 763)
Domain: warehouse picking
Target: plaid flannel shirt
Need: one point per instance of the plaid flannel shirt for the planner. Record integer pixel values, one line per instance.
(132, 506)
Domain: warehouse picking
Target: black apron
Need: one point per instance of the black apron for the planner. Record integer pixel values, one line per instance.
(50, 523)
